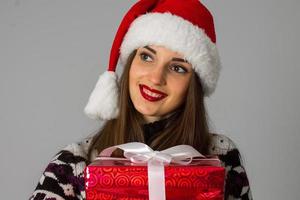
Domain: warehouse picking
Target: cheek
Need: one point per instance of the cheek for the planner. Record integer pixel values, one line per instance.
(180, 87)
(133, 72)
(131, 81)
(137, 71)
(134, 78)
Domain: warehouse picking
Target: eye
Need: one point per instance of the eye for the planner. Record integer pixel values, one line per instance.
(146, 57)
(178, 68)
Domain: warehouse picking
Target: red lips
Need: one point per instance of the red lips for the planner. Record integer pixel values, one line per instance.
(151, 94)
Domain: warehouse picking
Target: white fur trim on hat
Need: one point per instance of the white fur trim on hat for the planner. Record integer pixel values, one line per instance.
(179, 35)
(103, 102)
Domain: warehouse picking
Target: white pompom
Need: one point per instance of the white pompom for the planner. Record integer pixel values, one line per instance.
(103, 102)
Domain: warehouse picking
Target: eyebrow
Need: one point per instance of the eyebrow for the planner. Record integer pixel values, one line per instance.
(150, 49)
(173, 59)
(180, 60)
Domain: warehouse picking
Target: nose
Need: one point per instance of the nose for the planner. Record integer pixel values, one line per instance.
(157, 75)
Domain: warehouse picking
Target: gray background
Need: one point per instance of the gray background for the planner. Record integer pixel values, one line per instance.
(51, 53)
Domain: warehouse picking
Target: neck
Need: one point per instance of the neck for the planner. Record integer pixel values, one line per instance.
(151, 119)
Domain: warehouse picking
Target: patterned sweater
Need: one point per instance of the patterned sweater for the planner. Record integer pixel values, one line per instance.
(63, 178)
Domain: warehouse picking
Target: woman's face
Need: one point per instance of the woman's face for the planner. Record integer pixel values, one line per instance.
(158, 81)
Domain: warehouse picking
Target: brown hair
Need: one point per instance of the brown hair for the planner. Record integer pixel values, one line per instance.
(188, 126)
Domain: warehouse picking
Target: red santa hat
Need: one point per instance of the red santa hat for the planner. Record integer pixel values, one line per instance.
(184, 26)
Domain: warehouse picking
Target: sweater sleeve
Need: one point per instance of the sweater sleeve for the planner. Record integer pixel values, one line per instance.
(237, 185)
(63, 178)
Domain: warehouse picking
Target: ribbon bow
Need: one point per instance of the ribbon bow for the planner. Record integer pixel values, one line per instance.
(138, 152)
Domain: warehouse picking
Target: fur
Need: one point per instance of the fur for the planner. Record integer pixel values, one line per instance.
(103, 102)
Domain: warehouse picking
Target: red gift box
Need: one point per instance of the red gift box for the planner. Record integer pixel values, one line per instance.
(120, 179)
(171, 174)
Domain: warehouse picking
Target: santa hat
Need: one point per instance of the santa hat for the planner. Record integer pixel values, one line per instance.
(184, 26)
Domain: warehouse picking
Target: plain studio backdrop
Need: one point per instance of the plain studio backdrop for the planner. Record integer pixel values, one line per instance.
(52, 52)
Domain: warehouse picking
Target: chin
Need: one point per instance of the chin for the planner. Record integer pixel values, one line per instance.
(146, 111)
(147, 108)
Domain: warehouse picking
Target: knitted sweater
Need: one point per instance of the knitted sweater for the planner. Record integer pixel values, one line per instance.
(63, 178)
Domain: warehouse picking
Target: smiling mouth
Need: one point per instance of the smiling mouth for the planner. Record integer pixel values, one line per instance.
(151, 94)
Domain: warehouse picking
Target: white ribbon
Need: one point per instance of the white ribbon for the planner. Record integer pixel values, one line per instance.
(138, 152)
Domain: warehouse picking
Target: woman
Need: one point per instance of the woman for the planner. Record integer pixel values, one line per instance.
(170, 59)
